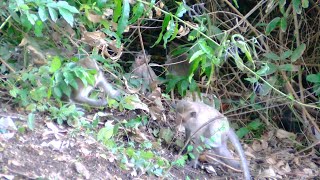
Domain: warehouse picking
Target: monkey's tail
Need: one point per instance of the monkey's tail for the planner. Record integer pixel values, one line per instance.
(234, 139)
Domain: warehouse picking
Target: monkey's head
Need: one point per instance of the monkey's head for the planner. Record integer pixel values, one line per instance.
(185, 111)
(142, 58)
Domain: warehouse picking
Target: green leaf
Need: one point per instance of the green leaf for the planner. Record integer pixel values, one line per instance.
(263, 70)
(242, 132)
(66, 16)
(181, 10)
(272, 25)
(32, 18)
(57, 92)
(283, 24)
(282, 4)
(196, 55)
(251, 80)
(117, 10)
(104, 134)
(297, 53)
(272, 56)
(164, 26)
(43, 14)
(315, 78)
(285, 55)
(137, 12)
(38, 28)
(65, 5)
(124, 19)
(205, 48)
(31, 121)
(296, 6)
(55, 64)
(305, 3)
(169, 32)
(53, 14)
(288, 67)
(255, 125)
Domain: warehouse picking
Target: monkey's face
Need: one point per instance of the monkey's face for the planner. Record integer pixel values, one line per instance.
(140, 59)
(185, 112)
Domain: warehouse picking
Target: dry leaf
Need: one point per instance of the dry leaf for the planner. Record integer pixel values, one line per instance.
(256, 145)
(282, 134)
(94, 18)
(81, 169)
(108, 13)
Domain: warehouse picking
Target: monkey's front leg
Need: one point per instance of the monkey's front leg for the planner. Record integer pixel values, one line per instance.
(82, 96)
(107, 87)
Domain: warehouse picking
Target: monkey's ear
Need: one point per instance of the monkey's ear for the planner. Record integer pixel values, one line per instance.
(193, 114)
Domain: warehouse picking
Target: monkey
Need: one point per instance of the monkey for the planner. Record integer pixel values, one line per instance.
(141, 69)
(81, 95)
(194, 115)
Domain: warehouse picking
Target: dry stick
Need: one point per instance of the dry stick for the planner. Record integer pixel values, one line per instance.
(302, 108)
(244, 19)
(144, 52)
(224, 164)
(6, 64)
(309, 147)
(189, 139)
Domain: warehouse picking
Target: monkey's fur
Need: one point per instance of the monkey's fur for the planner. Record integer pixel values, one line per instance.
(81, 95)
(193, 115)
(141, 69)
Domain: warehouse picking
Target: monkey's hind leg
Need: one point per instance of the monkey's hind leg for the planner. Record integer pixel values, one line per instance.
(83, 98)
(107, 87)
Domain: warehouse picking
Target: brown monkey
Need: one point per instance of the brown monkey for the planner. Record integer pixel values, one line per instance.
(81, 95)
(141, 69)
(193, 115)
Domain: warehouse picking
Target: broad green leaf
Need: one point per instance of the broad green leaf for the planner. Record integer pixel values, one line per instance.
(43, 14)
(283, 24)
(296, 6)
(137, 12)
(65, 88)
(242, 132)
(32, 18)
(168, 34)
(117, 10)
(305, 3)
(65, 5)
(176, 31)
(251, 80)
(31, 121)
(288, 67)
(67, 15)
(124, 19)
(315, 78)
(183, 87)
(297, 53)
(25, 22)
(255, 125)
(53, 14)
(57, 92)
(181, 10)
(272, 56)
(272, 25)
(38, 28)
(55, 64)
(104, 134)
(263, 70)
(196, 55)
(285, 55)
(164, 26)
(205, 48)
(282, 4)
